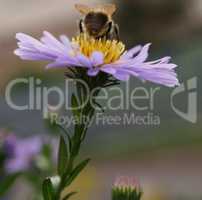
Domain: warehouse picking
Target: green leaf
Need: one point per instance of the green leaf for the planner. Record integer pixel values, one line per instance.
(75, 106)
(76, 171)
(48, 190)
(62, 156)
(66, 136)
(7, 182)
(70, 142)
(69, 195)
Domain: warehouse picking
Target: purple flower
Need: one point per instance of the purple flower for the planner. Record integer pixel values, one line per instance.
(97, 56)
(20, 152)
(9, 146)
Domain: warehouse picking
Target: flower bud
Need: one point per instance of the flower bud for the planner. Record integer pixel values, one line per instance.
(126, 188)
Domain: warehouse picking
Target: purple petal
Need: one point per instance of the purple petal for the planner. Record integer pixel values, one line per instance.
(108, 69)
(57, 64)
(97, 58)
(27, 39)
(122, 76)
(159, 71)
(160, 75)
(129, 54)
(93, 71)
(49, 40)
(84, 61)
(48, 49)
(28, 55)
(65, 40)
(162, 60)
(143, 55)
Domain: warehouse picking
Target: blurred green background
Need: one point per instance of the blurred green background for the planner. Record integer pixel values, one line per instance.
(166, 158)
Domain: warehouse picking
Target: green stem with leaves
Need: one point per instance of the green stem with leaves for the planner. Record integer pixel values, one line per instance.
(70, 145)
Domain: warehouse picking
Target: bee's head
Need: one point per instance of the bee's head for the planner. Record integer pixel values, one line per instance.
(96, 22)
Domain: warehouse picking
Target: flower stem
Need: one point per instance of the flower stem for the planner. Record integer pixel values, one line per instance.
(78, 137)
(69, 150)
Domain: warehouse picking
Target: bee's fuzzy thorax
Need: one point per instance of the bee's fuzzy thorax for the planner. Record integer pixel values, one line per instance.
(101, 10)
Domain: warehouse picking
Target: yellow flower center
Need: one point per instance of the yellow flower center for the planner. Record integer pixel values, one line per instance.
(111, 49)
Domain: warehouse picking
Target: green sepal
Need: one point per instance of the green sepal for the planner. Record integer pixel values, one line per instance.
(126, 194)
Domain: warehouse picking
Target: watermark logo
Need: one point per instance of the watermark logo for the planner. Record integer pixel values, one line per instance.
(190, 88)
(39, 96)
(135, 99)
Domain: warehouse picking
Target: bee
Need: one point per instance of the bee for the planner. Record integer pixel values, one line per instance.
(97, 21)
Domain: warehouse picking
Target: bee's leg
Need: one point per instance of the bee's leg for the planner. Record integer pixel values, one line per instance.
(108, 33)
(81, 26)
(116, 29)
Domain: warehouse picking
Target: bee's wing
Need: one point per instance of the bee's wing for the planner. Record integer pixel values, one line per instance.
(109, 9)
(83, 9)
